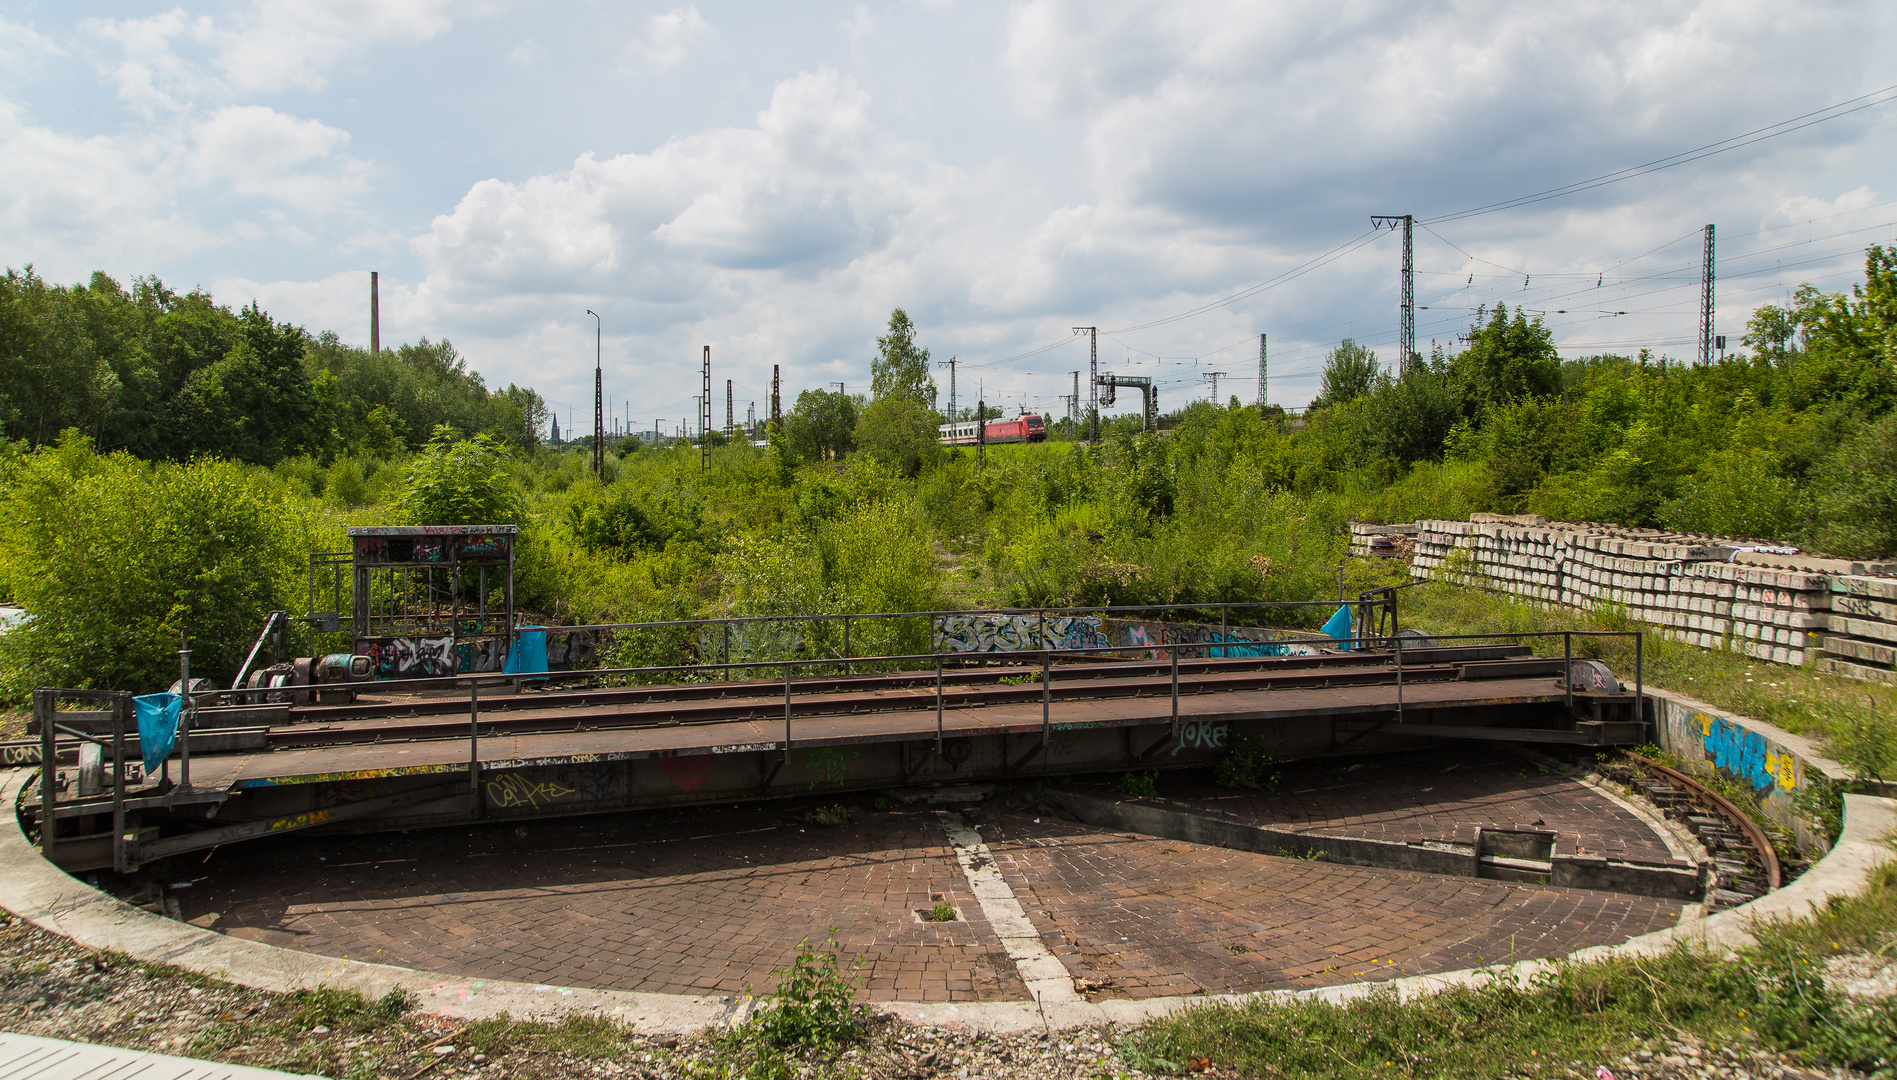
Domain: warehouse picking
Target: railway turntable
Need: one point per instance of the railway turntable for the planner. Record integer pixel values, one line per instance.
(478, 747)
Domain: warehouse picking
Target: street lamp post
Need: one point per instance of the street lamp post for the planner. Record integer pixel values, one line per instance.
(599, 401)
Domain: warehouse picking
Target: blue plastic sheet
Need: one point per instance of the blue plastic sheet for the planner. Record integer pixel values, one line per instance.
(157, 727)
(1339, 625)
(529, 654)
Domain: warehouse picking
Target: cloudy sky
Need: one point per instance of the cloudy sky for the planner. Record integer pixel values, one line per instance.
(771, 179)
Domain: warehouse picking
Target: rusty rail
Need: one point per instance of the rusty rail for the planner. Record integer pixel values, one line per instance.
(1768, 857)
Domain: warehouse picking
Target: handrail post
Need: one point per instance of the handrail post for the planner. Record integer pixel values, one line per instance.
(787, 710)
(1225, 628)
(49, 769)
(1399, 679)
(1640, 678)
(474, 740)
(726, 655)
(1040, 628)
(119, 702)
(1047, 698)
(1567, 667)
(938, 704)
(846, 642)
(1173, 651)
(184, 709)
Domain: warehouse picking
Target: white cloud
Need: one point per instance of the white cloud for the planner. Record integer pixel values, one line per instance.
(22, 48)
(525, 54)
(133, 199)
(73, 204)
(811, 187)
(669, 38)
(169, 61)
(858, 27)
(254, 150)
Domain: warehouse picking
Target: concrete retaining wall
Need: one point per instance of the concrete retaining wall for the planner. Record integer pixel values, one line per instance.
(1774, 763)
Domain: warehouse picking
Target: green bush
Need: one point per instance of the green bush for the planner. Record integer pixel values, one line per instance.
(1139, 785)
(113, 557)
(1244, 763)
(460, 482)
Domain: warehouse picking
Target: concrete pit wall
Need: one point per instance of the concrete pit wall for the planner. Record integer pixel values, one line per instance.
(1714, 592)
(1775, 765)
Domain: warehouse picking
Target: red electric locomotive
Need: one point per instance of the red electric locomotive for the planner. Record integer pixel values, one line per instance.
(1028, 427)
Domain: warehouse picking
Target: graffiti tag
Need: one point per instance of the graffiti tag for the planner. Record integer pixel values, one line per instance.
(1201, 735)
(827, 765)
(1745, 753)
(514, 790)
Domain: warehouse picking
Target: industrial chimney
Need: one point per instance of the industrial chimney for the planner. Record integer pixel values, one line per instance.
(375, 314)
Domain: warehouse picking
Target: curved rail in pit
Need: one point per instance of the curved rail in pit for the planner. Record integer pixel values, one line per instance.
(1768, 856)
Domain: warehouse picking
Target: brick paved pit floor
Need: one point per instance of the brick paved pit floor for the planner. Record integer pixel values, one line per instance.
(711, 900)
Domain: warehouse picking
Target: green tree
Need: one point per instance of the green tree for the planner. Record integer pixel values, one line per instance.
(822, 425)
(1349, 372)
(901, 367)
(460, 482)
(899, 432)
(256, 403)
(1406, 418)
(1857, 498)
(1506, 359)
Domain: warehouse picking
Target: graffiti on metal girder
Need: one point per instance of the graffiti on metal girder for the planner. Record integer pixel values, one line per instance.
(827, 765)
(353, 774)
(1201, 735)
(298, 821)
(687, 772)
(512, 790)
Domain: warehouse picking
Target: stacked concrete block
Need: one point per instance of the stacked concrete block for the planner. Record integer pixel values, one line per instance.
(1862, 624)
(1773, 604)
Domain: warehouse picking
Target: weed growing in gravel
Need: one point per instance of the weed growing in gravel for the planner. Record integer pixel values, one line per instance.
(828, 816)
(813, 1006)
(943, 911)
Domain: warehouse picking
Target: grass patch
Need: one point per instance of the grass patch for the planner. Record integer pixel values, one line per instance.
(1573, 1017)
(1857, 720)
(306, 1026)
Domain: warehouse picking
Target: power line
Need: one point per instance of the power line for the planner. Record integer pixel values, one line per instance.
(1757, 135)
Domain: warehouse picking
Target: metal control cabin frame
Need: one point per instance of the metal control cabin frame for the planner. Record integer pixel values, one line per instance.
(423, 600)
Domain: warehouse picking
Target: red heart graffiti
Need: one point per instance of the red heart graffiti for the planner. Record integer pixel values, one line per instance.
(687, 772)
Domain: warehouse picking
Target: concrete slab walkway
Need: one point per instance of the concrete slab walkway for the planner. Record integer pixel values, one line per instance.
(30, 1057)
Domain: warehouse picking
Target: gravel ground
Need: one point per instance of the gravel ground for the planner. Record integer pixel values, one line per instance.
(53, 987)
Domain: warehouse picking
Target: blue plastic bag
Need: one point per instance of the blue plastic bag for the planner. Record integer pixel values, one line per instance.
(157, 727)
(1339, 625)
(529, 654)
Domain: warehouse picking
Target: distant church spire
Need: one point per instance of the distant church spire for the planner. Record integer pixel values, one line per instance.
(555, 437)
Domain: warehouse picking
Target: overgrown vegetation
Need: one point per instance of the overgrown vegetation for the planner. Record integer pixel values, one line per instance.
(1571, 1019)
